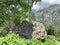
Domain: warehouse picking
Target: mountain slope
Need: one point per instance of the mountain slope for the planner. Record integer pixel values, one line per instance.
(50, 15)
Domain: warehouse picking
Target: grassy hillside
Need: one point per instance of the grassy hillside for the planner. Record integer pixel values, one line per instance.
(13, 39)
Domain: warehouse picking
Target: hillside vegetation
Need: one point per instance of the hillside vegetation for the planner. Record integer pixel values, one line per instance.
(16, 30)
(50, 15)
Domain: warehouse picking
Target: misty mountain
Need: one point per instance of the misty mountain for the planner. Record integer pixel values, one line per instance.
(40, 6)
(50, 15)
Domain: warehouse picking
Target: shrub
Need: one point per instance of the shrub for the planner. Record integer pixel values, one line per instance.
(13, 39)
(53, 30)
(50, 29)
(57, 31)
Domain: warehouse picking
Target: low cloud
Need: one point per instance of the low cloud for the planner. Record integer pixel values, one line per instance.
(44, 4)
(52, 1)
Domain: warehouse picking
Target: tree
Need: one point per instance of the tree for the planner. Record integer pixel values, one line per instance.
(13, 10)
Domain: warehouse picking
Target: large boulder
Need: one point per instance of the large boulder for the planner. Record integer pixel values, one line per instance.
(39, 31)
(27, 30)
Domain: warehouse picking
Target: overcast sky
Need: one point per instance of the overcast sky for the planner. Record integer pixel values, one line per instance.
(52, 1)
(44, 4)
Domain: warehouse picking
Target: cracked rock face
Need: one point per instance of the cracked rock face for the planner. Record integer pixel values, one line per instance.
(39, 31)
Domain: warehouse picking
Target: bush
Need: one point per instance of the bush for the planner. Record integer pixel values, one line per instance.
(53, 30)
(50, 29)
(57, 31)
(13, 39)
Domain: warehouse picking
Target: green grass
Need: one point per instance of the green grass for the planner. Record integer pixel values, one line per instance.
(58, 38)
(13, 39)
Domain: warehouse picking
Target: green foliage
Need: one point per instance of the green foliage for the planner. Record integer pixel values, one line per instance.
(58, 38)
(13, 39)
(31, 17)
(57, 31)
(25, 4)
(53, 30)
(50, 29)
(14, 16)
